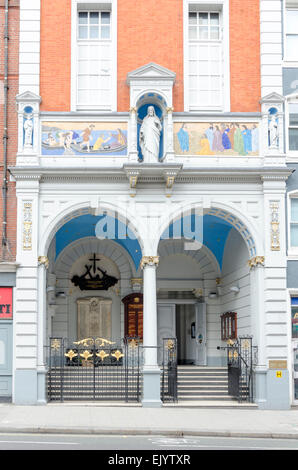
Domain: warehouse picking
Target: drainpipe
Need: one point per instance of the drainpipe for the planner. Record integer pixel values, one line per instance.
(5, 133)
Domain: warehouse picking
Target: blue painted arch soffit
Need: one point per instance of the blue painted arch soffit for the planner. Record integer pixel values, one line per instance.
(209, 230)
(102, 226)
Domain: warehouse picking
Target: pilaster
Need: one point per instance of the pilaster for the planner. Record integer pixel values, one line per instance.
(27, 297)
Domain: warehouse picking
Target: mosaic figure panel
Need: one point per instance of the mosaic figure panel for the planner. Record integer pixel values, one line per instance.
(202, 138)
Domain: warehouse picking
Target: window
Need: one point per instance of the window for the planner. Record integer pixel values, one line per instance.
(291, 37)
(293, 126)
(94, 57)
(294, 315)
(205, 60)
(294, 222)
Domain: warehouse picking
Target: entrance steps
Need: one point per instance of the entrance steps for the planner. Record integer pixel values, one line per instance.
(204, 385)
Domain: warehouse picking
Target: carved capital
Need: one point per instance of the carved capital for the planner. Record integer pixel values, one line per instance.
(43, 260)
(170, 109)
(256, 261)
(149, 261)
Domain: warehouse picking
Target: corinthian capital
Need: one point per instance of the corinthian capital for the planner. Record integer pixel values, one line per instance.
(150, 261)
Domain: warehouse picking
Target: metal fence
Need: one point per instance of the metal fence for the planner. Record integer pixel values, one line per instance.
(94, 369)
(99, 369)
(241, 358)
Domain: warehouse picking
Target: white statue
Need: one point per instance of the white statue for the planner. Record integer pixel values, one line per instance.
(28, 128)
(273, 132)
(150, 136)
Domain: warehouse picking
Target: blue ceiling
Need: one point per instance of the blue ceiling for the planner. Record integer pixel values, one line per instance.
(215, 232)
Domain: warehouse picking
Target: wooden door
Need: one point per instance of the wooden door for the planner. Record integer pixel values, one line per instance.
(133, 315)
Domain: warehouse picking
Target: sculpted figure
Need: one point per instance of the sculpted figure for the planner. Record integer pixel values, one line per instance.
(273, 132)
(150, 136)
(28, 129)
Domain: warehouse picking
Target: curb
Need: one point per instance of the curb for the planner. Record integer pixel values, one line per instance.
(147, 432)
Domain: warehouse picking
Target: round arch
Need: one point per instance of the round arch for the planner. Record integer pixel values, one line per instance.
(197, 255)
(223, 211)
(107, 248)
(149, 96)
(85, 208)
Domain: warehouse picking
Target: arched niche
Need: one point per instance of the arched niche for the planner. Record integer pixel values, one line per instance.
(141, 113)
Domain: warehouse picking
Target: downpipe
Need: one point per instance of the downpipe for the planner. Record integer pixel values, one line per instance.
(5, 130)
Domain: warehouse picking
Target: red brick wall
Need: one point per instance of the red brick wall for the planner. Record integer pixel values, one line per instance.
(145, 37)
(245, 74)
(9, 252)
(55, 55)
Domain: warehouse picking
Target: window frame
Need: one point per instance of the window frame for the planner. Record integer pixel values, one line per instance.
(93, 5)
(292, 155)
(292, 250)
(287, 8)
(221, 6)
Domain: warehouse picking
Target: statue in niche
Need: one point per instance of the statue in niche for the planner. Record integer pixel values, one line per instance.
(150, 136)
(273, 132)
(28, 130)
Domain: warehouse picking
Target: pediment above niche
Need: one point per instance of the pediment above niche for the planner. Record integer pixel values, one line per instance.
(28, 96)
(28, 99)
(151, 72)
(272, 98)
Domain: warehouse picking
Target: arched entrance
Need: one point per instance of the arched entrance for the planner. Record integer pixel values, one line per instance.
(206, 292)
(92, 261)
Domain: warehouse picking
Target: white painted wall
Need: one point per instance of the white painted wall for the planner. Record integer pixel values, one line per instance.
(29, 52)
(271, 46)
(235, 271)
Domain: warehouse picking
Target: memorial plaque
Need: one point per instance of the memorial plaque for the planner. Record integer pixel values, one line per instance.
(278, 364)
(94, 318)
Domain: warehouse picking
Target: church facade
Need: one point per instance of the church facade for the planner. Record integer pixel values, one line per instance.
(151, 178)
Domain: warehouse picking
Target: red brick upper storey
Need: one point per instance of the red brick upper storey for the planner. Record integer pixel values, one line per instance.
(8, 252)
(144, 37)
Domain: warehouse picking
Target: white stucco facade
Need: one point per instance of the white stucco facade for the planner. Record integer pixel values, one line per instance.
(244, 192)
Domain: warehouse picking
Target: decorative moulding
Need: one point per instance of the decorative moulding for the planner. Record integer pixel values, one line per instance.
(272, 98)
(151, 72)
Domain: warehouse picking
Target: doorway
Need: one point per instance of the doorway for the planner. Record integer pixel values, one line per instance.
(185, 333)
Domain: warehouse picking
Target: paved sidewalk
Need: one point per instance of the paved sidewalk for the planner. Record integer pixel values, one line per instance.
(82, 418)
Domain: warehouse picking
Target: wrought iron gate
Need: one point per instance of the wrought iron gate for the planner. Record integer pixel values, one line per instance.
(240, 358)
(169, 390)
(98, 369)
(94, 369)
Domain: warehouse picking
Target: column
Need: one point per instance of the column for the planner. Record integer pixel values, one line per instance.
(151, 371)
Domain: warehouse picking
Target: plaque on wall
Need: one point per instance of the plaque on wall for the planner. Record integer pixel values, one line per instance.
(94, 318)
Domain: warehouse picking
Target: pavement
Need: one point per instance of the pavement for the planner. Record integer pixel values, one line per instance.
(121, 419)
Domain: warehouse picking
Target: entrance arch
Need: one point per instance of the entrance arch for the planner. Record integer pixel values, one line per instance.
(231, 240)
(81, 209)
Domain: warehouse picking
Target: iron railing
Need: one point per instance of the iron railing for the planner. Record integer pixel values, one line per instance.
(169, 389)
(99, 369)
(241, 359)
(94, 369)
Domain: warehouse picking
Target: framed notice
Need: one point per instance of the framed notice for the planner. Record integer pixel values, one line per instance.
(5, 303)
(133, 312)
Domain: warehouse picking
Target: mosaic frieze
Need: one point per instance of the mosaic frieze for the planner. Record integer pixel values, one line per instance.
(210, 138)
(84, 138)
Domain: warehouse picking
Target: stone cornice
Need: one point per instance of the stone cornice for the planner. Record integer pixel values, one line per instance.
(8, 266)
(154, 173)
